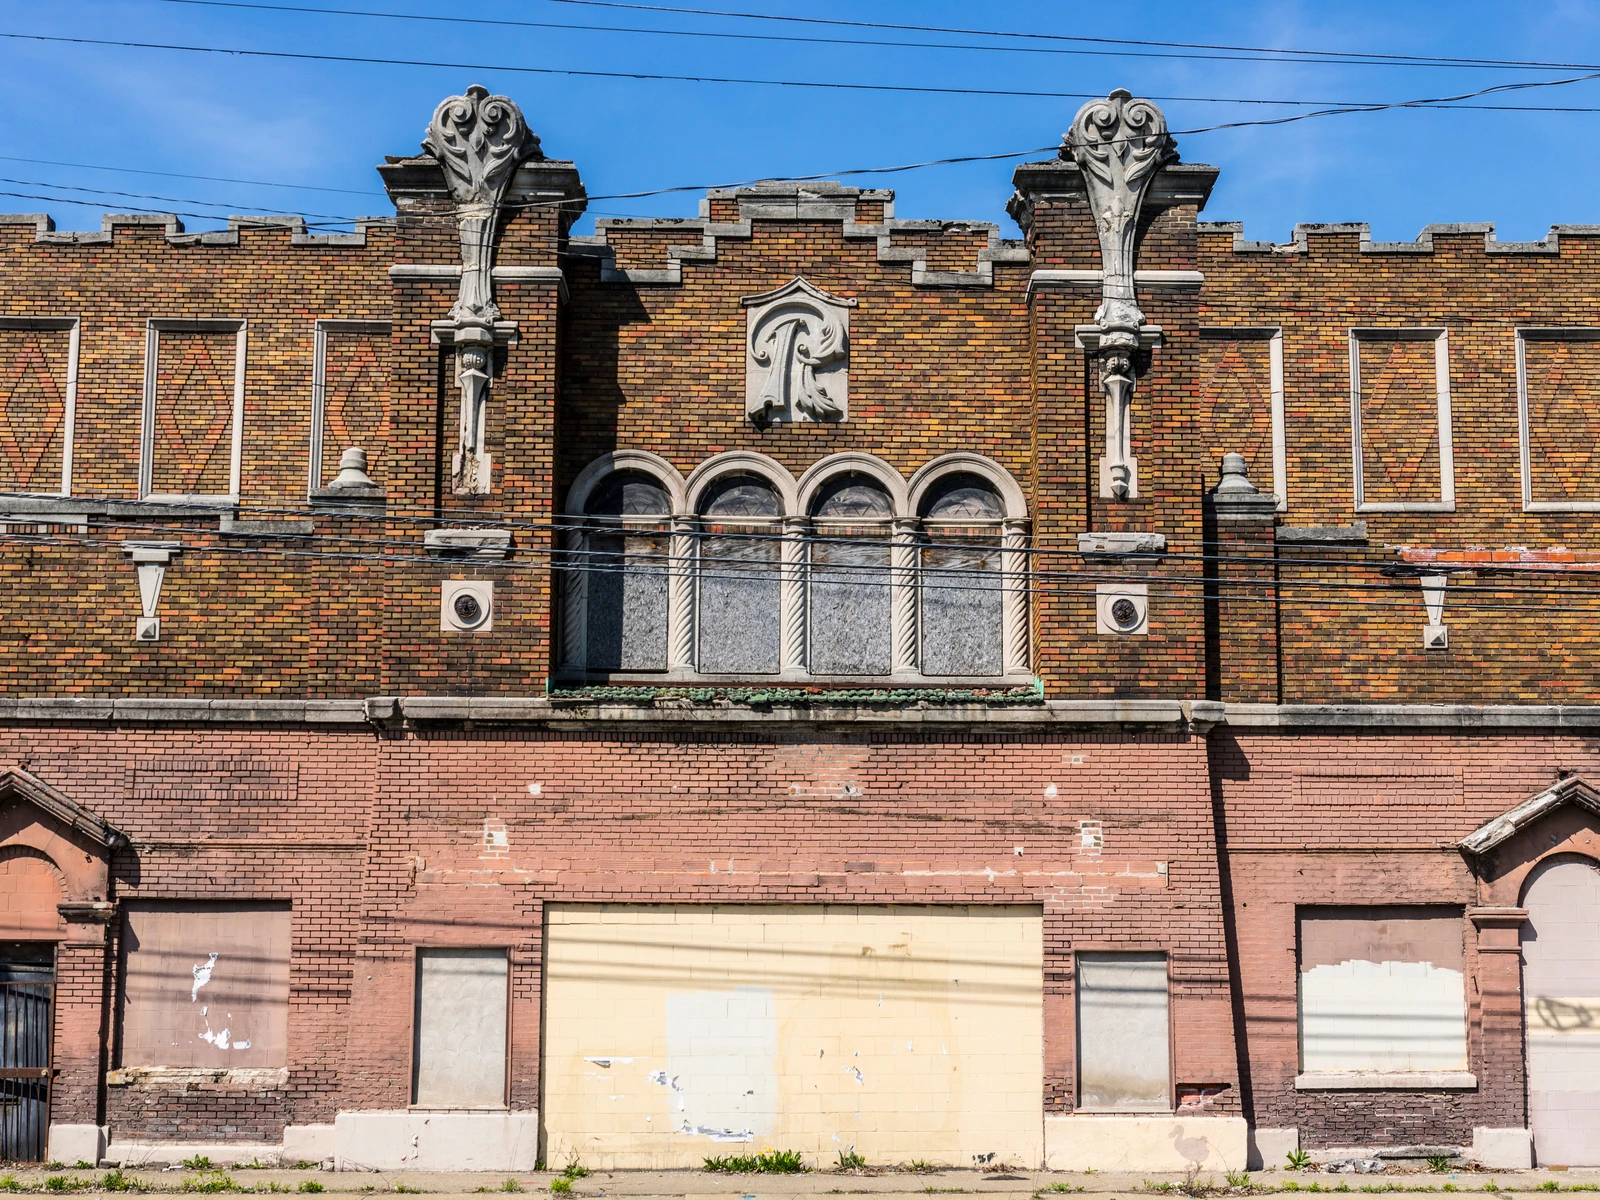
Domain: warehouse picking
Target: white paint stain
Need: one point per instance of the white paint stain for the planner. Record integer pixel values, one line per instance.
(605, 1060)
(717, 1134)
(202, 976)
(856, 1071)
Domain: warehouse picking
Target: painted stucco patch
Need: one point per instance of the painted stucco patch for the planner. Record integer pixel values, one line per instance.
(679, 1031)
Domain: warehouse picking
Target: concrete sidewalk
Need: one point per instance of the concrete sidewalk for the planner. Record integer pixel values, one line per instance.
(704, 1185)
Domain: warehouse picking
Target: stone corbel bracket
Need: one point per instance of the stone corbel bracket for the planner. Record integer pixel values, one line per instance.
(1299, 242)
(800, 202)
(45, 231)
(151, 558)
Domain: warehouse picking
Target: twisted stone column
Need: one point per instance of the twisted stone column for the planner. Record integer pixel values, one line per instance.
(1016, 574)
(680, 595)
(792, 597)
(903, 597)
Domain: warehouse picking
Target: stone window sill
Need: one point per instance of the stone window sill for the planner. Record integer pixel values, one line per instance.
(252, 1079)
(1388, 1081)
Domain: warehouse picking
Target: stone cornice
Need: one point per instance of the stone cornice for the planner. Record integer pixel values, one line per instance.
(1194, 716)
(45, 231)
(1300, 243)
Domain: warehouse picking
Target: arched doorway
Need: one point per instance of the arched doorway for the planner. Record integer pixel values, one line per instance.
(1561, 990)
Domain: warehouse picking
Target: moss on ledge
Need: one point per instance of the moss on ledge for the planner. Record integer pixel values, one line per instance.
(797, 697)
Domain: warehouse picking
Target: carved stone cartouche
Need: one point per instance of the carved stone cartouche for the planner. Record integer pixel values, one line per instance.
(797, 346)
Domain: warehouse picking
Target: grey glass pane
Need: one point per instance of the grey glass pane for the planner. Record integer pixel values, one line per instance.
(962, 497)
(627, 618)
(738, 614)
(629, 493)
(735, 496)
(961, 594)
(852, 495)
(849, 599)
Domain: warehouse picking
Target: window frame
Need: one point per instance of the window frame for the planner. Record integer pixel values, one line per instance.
(1439, 335)
(1523, 334)
(154, 328)
(418, 950)
(69, 401)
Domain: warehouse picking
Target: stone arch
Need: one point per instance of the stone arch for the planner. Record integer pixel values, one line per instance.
(32, 887)
(963, 462)
(743, 462)
(625, 460)
(820, 472)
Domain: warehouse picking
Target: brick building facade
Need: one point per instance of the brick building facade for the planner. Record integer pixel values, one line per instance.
(475, 694)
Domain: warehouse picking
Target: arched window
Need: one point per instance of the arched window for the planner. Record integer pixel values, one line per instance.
(851, 572)
(848, 597)
(741, 521)
(628, 526)
(962, 580)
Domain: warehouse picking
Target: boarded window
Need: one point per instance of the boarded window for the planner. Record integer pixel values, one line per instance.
(1382, 989)
(205, 985)
(961, 583)
(849, 586)
(1122, 1032)
(627, 563)
(738, 574)
(461, 1028)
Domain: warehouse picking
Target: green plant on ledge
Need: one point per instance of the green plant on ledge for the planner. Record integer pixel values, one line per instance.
(1299, 1160)
(849, 1160)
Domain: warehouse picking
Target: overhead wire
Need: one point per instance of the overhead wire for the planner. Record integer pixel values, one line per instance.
(1058, 37)
(1191, 51)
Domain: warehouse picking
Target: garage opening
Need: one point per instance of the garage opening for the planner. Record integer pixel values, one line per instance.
(674, 1033)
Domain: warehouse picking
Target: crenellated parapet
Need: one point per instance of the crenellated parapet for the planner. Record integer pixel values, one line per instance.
(46, 233)
(1299, 243)
(899, 242)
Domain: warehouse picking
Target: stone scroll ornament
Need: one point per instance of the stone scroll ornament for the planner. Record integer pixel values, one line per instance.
(1119, 144)
(797, 350)
(479, 140)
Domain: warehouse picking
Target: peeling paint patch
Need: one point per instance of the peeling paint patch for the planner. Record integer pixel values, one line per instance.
(605, 1060)
(718, 1135)
(856, 1071)
(202, 976)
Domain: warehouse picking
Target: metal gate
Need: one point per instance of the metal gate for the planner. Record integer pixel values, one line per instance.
(26, 985)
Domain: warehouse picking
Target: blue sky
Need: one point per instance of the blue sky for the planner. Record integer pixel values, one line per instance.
(325, 125)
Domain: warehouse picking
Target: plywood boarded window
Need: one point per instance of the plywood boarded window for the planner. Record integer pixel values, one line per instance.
(205, 985)
(737, 621)
(1122, 1032)
(961, 585)
(848, 597)
(1382, 989)
(460, 1053)
(628, 571)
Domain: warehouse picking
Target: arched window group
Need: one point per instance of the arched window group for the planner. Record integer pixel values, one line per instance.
(741, 571)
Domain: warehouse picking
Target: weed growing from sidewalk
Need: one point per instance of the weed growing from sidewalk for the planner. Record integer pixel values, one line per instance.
(849, 1160)
(211, 1181)
(560, 1184)
(768, 1162)
(198, 1163)
(310, 1185)
(116, 1181)
(1438, 1163)
(400, 1187)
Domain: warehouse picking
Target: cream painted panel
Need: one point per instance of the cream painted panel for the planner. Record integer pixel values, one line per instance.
(1561, 984)
(674, 1032)
(1383, 1016)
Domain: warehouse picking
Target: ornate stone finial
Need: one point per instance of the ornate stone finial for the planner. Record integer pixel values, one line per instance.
(1119, 144)
(479, 140)
(353, 470)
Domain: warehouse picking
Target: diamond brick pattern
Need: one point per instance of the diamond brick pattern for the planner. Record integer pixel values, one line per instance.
(194, 413)
(1234, 415)
(1400, 422)
(1563, 419)
(32, 408)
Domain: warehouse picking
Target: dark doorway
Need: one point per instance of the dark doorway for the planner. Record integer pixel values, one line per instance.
(27, 981)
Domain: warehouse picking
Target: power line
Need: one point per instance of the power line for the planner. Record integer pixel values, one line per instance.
(915, 89)
(67, 187)
(1189, 52)
(299, 187)
(1060, 37)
